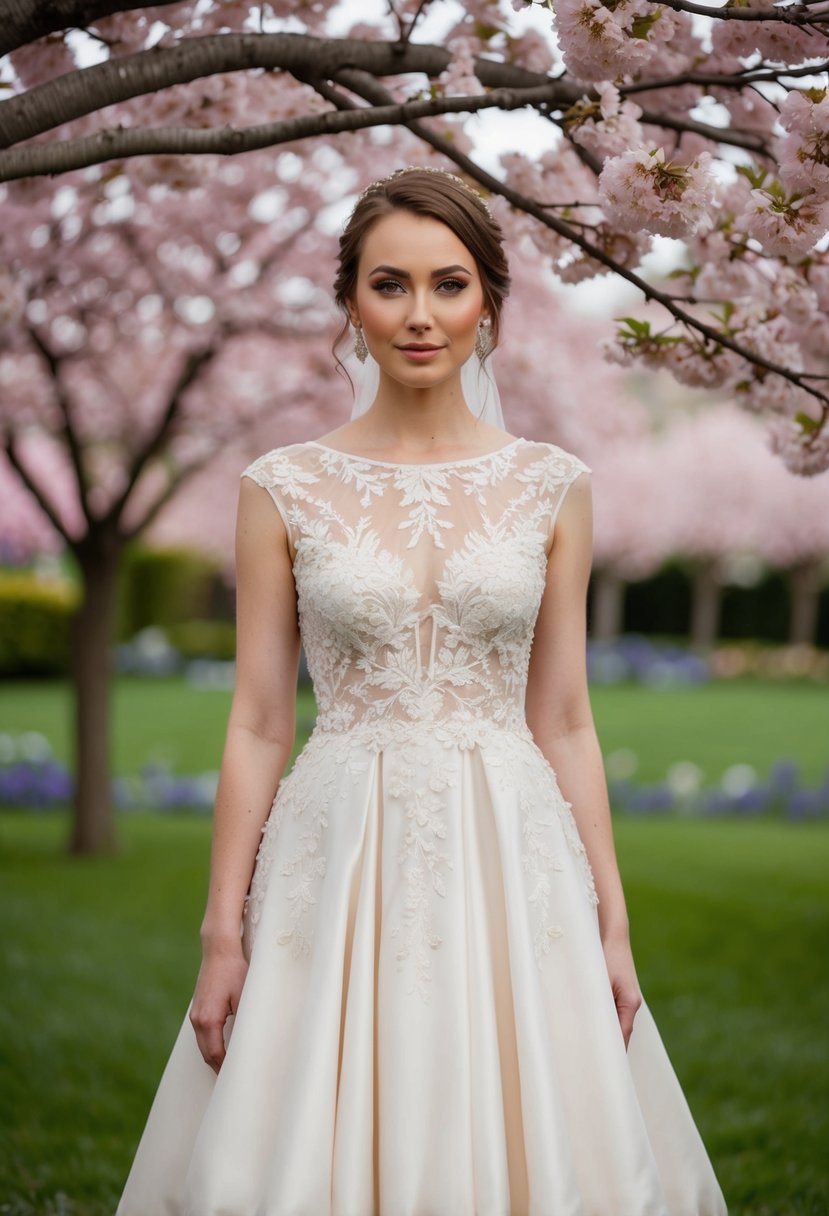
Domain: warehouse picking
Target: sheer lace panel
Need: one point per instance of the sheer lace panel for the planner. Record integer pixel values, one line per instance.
(418, 585)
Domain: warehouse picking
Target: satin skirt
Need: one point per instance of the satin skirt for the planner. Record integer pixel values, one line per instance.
(426, 1027)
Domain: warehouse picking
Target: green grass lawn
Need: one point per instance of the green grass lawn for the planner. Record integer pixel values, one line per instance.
(98, 960)
(714, 725)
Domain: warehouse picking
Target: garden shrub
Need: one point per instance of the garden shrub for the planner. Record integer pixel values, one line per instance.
(164, 587)
(35, 625)
(203, 639)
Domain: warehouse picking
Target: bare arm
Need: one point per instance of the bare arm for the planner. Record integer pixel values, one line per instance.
(561, 721)
(260, 735)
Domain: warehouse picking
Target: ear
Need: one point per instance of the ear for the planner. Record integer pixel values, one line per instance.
(353, 315)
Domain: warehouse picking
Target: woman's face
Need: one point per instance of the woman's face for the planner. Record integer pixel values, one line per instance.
(418, 298)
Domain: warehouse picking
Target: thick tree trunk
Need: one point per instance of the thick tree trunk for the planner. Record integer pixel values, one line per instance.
(608, 605)
(93, 828)
(804, 591)
(705, 608)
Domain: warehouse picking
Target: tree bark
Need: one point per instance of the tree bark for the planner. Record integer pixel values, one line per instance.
(804, 589)
(93, 828)
(705, 608)
(608, 605)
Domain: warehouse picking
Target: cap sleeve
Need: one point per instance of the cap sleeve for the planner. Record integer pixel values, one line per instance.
(570, 468)
(273, 472)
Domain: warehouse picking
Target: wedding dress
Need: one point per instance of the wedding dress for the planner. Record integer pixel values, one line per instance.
(426, 1027)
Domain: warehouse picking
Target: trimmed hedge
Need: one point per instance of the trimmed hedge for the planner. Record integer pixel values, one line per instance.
(203, 639)
(35, 626)
(165, 587)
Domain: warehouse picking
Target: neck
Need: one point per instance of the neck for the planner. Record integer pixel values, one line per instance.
(420, 418)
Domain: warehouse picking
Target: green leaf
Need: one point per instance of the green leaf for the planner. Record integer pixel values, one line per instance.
(755, 175)
(807, 423)
(637, 328)
(643, 24)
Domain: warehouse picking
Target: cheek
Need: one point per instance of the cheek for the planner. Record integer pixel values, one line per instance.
(375, 314)
(465, 312)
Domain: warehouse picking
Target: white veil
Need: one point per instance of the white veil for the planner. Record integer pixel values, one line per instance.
(477, 381)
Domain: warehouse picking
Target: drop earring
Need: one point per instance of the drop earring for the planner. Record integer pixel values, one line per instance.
(482, 340)
(360, 348)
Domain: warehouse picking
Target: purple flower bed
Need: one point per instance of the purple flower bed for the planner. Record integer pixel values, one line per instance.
(43, 784)
(634, 657)
(781, 794)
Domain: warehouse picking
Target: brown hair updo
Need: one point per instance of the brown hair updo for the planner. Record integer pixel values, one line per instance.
(437, 195)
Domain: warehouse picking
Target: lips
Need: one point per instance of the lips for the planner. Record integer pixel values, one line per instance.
(420, 352)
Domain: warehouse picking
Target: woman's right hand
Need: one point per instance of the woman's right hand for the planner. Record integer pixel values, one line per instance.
(218, 989)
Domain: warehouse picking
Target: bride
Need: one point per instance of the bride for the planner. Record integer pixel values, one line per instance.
(417, 994)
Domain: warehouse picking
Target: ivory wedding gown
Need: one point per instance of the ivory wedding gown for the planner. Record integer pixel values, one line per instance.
(426, 1027)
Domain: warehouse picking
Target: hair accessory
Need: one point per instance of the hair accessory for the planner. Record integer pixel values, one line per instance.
(482, 339)
(479, 198)
(360, 348)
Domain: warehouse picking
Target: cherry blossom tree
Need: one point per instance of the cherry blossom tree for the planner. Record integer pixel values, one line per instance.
(703, 125)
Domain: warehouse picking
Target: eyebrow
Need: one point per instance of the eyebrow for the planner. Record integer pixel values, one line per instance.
(404, 274)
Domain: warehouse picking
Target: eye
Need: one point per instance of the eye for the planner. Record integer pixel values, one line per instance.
(452, 286)
(388, 287)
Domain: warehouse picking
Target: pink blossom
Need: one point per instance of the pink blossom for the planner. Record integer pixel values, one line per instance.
(599, 44)
(802, 451)
(12, 299)
(817, 275)
(626, 249)
(728, 279)
(786, 225)
(701, 365)
(814, 335)
(803, 155)
(640, 189)
(42, 60)
(796, 299)
(459, 77)
(531, 50)
(773, 40)
(606, 127)
(680, 44)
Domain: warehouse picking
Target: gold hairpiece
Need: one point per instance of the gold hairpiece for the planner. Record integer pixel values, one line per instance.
(479, 198)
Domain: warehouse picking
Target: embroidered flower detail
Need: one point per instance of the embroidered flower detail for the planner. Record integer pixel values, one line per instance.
(422, 859)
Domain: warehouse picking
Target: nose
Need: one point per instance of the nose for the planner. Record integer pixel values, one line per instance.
(420, 314)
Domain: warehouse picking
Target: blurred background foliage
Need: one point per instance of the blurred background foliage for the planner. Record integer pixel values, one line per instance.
(186, 592)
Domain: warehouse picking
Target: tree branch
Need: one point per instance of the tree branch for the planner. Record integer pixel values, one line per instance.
(34, 489)
(193, 364)
(376, 94)
(737, 80)
(172, 488)
(90, 89)
(25, 21)
(61, 156)
(791, 15)
(53, 363)
(722, 135)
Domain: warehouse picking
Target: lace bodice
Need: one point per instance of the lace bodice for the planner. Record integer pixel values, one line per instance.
(418, 585)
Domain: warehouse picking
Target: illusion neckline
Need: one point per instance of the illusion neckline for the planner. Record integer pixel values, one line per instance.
(418, 464)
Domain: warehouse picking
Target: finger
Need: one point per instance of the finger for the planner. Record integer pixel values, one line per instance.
(212, 1046)
(210, 1040)
(627, 1013)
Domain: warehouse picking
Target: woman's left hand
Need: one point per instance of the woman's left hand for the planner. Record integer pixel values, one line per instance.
(623, 982)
